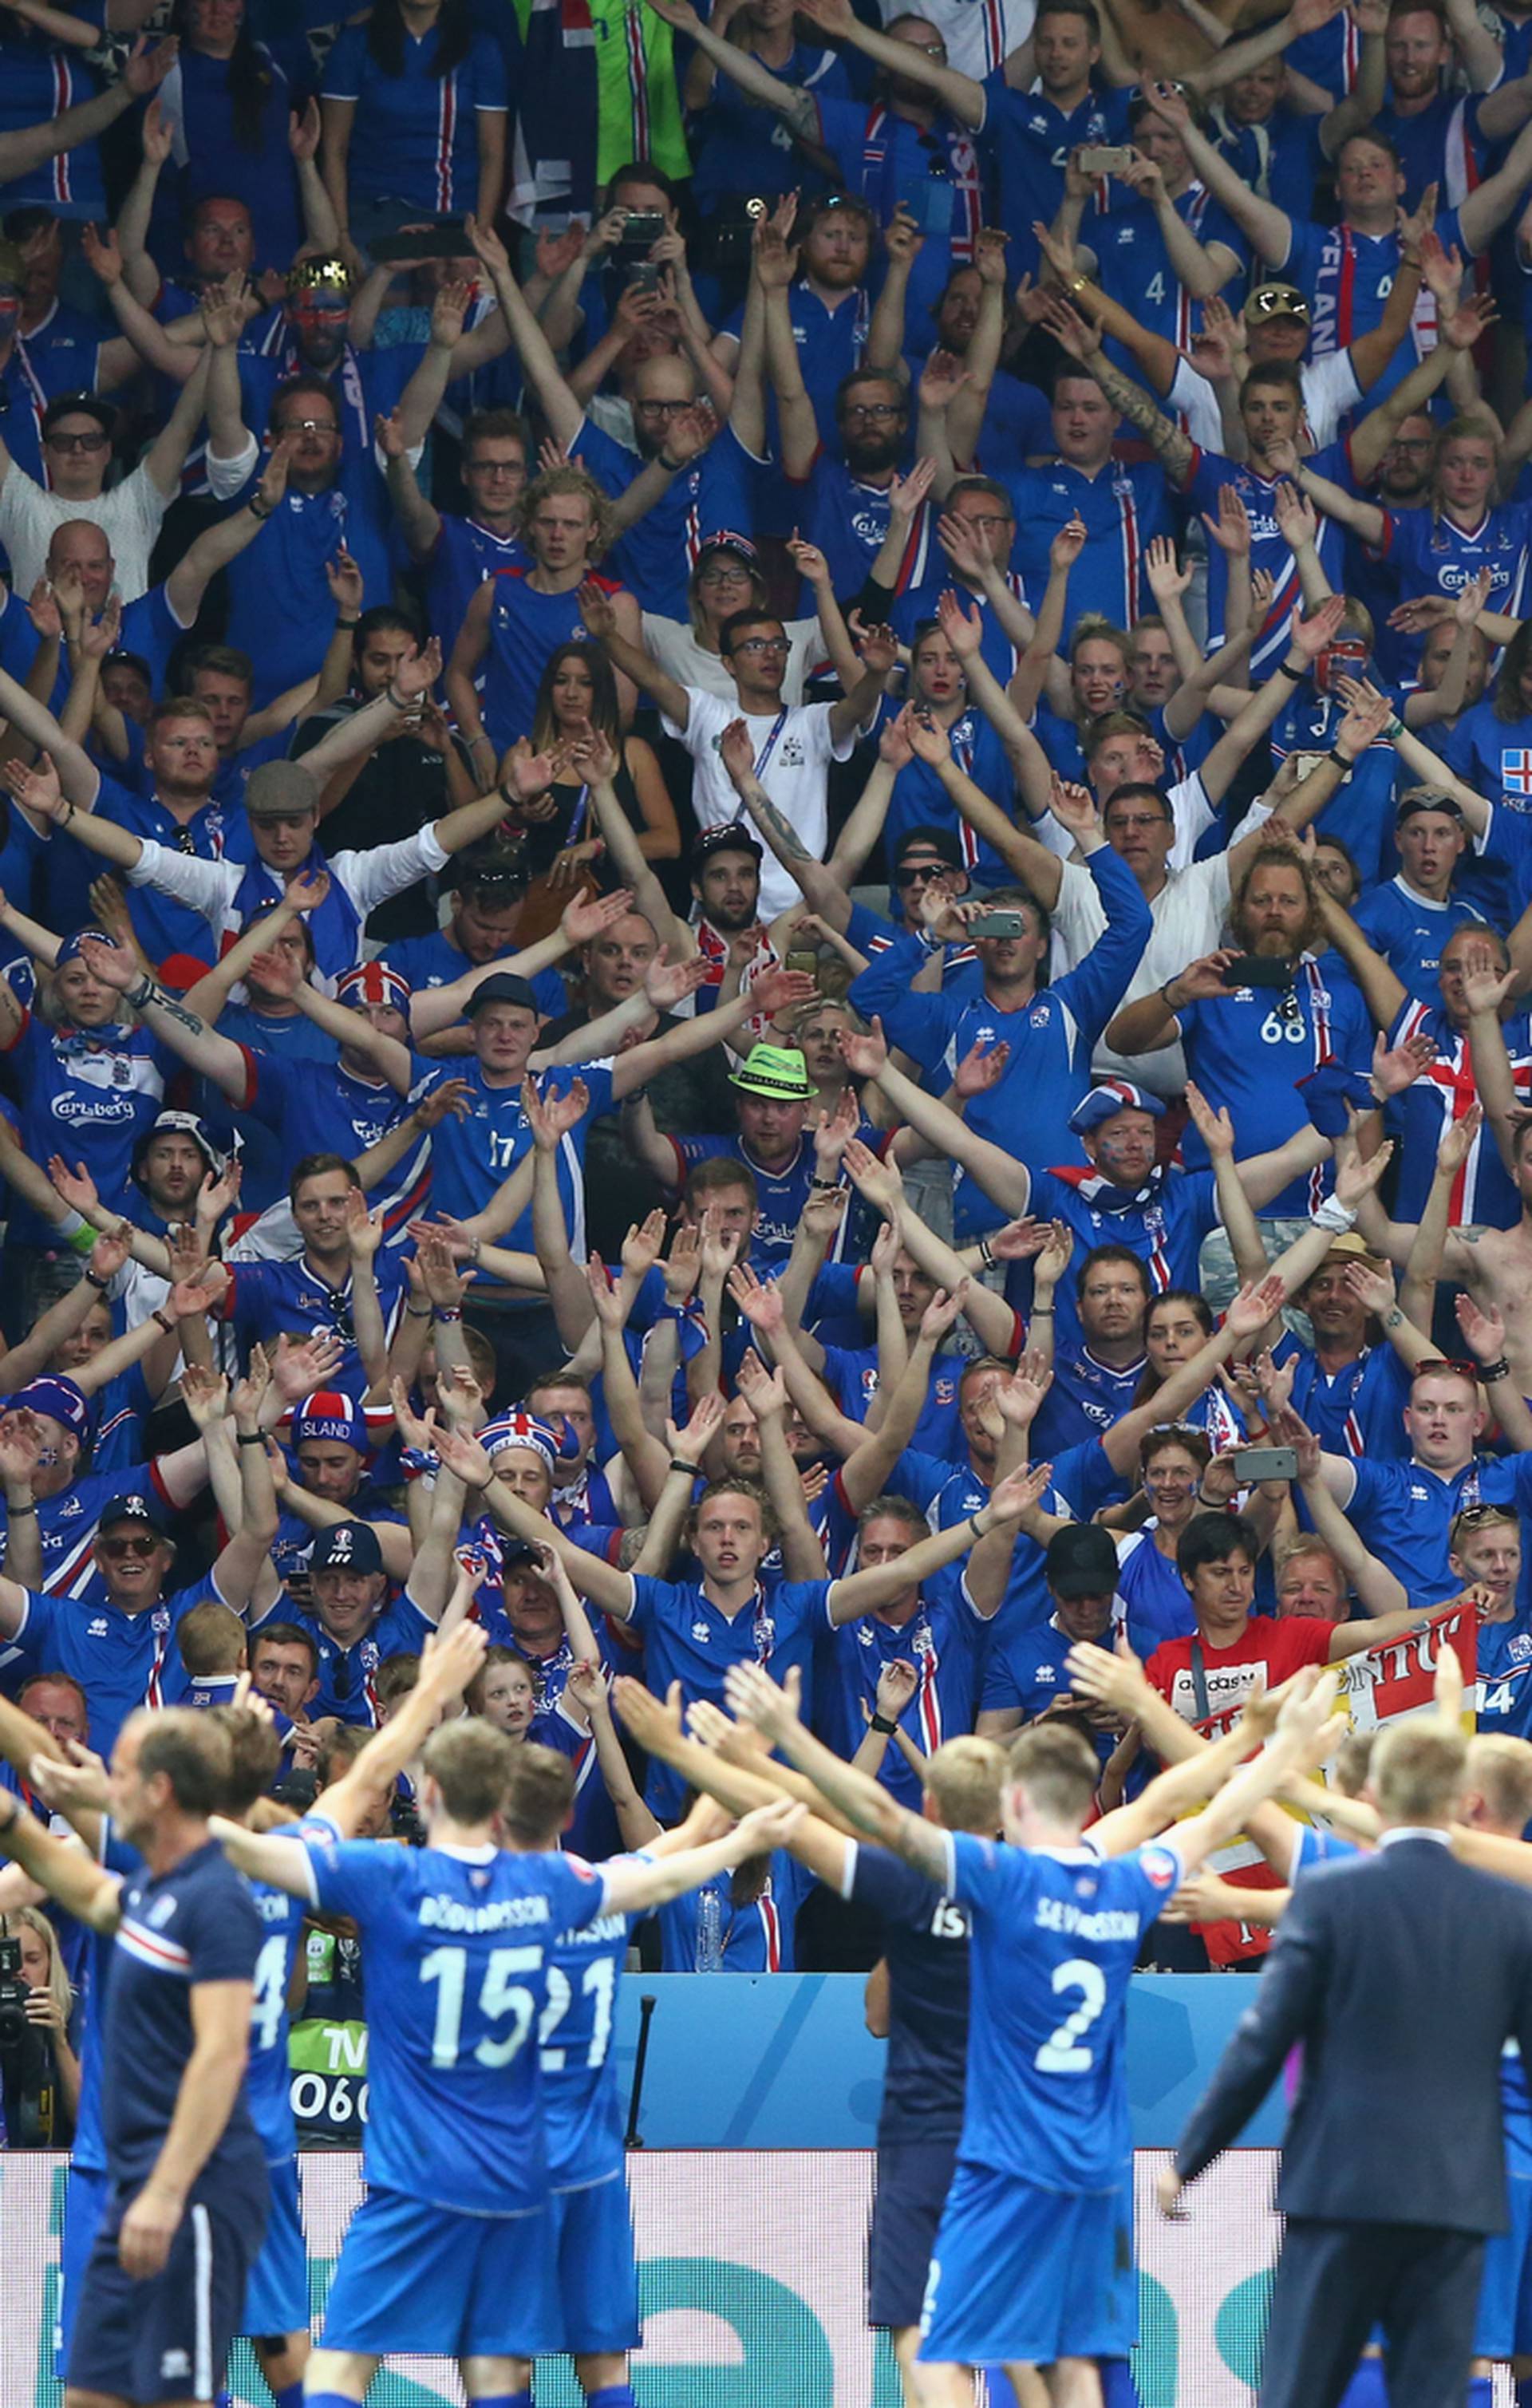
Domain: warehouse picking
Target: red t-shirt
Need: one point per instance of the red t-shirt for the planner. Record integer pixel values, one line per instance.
(1231, 1673)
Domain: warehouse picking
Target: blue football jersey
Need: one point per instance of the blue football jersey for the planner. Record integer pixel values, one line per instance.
(458, 1942)
(583, 2108)
(1054, 1940)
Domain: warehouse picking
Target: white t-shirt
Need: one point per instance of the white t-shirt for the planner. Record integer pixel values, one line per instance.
(792, 754)
(1188, 913)
(128, 515)
(977, 39)
(1329, 390)
(679, 653)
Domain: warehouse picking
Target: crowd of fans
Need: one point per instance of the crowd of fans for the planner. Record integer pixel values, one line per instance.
(768, 886)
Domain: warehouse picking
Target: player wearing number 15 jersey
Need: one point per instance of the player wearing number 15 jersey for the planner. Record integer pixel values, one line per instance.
(458, 1938)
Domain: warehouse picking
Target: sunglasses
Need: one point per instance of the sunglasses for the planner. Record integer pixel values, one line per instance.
(94, 441)
(921, 872)
(116, 1550)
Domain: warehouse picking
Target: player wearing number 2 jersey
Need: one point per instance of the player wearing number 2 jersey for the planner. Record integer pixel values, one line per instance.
(459, 1937)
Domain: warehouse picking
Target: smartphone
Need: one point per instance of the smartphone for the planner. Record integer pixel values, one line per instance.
(641, 231)
(803, 957)
(444, 238)
(1103, 158)
(930, 203)
(1252, 1463)
(998, 924)
(1258, 969)
(643, 276)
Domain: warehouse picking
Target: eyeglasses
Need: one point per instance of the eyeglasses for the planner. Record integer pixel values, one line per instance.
(878, 409)
(756, 645)
(739, 576)
(926, 50)
(984, 519)
(116, 1549)
(307, 426)
(94, 441)
(661, 409)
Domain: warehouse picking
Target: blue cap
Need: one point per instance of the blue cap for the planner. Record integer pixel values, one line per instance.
(1111, 1097)
(56, 1397)
(346, 1547)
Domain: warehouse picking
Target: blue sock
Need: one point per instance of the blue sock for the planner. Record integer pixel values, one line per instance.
(1118, 2388)
(615, 2395)
(1368, 2386)
(1481, 2391)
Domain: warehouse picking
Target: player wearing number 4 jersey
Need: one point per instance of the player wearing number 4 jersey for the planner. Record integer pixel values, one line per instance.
(1033, 2268)
(460, 1937)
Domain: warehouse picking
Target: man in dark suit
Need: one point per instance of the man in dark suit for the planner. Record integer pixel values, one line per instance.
(1402, 1974)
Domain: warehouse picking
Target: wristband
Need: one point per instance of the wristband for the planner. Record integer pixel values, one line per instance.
(1499, 1369)
(1337, 1218)
(137, 997)
(1297, 676)
(164, 1321)
(446, 1313)
(348, 622)
(253, 505)
(69, 810)
(827, 1186)
(1395, 729)
(987, 1254)
(1343, 761)
(82, 1237)
(481, 738)
(248, 1438)
(100, 1285)
(1042, 1313)
(671, 467)
(973, 1524)
(417, 1313)
(880, 1723)
(398, 702)
(12, 1511)
(679, 1463)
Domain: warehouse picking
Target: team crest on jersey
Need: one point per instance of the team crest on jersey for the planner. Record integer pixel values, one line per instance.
(701, 1632)
(1163, 1868)
(1037, 1019)
(160, 1913)
(1520, 1647)
(946, 1392)
(70, 1507)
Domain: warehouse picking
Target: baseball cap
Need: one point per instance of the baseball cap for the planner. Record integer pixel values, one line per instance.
(940, 841)
(775, 1070)
(728, 539)
(501, 988)
(279, 790)
(330, 1414)
(1427, 799)
(56, 1397)
(522, 1429)
(177, 1125)
(69, 946)
(1277, 298)
(732, 837)
(1081, 1561)
(80, 405)
(132, 1508)
(374, 982)
(1111, 1097)
(346, 1547)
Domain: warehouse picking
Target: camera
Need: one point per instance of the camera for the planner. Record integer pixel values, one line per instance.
(14, 1992)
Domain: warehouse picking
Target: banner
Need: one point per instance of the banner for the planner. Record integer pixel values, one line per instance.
(1381, 1686)
(752, 2267)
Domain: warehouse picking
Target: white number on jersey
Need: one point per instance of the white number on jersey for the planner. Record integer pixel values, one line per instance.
(1275, 1030)
(598, 1981)
(1064, 2054)
(498, 1996)
(270, 1993)
(1154, 289)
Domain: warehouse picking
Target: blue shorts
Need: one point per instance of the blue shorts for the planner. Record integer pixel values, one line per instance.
(416, 2279)
(598, 2279)
(166, 2338)
(85, 2196)
(914, 2180)
(276, 2295)
(1504, 2328)
(1023, 2276)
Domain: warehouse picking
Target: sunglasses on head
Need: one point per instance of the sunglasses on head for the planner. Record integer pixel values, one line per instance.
(1279, 301)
